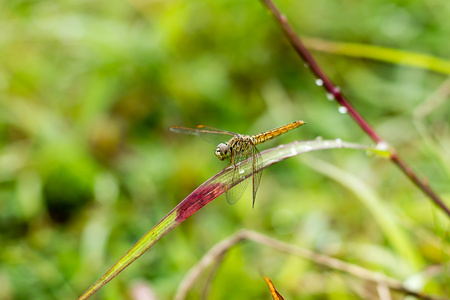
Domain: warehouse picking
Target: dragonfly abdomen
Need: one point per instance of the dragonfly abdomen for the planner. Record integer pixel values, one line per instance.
(268, 135)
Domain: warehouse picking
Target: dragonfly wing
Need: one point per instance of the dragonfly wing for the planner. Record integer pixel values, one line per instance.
(209, 134)
(200, 130)
(235, 192)
(257, 164)
(214, 130)
(239, 177)
(244, 170)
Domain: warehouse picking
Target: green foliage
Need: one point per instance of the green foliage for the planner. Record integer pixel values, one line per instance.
(88, 165)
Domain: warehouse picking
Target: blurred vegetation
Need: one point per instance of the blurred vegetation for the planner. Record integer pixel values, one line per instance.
(88, 90)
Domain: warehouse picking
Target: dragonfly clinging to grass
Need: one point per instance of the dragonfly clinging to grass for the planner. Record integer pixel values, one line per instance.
(239, 148)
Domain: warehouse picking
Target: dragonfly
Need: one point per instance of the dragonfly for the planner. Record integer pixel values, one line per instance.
(238, 149)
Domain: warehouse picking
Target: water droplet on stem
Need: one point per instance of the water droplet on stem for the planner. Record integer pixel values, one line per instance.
(330, 96)
(342, 109)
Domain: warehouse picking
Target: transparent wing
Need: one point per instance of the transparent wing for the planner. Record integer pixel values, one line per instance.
(257, 162)
(200, 130)
(240, 171)
(210, 134)
(246, 170)
(235, 193)
(214, 130)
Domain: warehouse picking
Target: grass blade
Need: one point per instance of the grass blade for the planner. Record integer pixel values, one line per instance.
(205, 193)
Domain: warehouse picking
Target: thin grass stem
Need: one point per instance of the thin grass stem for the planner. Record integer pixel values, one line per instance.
(337, 94)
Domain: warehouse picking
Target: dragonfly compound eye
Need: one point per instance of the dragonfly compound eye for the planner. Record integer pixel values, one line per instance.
(222, 151)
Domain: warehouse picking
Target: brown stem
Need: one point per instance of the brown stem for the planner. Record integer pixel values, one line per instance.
(336, 93)
(216, 254)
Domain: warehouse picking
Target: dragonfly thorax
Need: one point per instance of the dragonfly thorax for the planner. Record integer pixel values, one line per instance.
(223, 151)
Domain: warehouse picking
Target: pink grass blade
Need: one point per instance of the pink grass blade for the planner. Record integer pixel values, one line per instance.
(205, 193)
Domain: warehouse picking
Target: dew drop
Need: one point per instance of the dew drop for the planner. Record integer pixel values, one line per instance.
(338, 141)
(381, 149)
(319, 82)
(306, 65)
(336, 90)
(330, 96)
(241, 171)
(383, 146)
(342, 109)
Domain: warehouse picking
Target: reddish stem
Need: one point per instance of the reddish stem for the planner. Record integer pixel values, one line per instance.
(340, 98)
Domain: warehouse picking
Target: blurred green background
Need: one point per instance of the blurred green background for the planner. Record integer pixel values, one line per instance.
(88, 90)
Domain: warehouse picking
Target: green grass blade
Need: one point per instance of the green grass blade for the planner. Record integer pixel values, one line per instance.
(205, 193)
(385, 54)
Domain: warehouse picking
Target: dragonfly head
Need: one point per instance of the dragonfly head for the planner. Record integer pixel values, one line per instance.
(223, 151)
